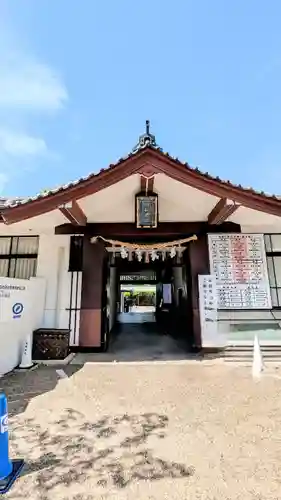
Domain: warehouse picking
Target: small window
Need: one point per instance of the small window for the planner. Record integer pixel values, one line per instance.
(76, 254)
(18, 256)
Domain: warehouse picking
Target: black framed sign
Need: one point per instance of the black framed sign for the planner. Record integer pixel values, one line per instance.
(146, 211)
(140, 277)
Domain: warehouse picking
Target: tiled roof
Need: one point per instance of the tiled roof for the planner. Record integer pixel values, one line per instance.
(8, 203)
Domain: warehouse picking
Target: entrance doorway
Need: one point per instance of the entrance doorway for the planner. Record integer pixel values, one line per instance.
(137, 303)
(149, 307)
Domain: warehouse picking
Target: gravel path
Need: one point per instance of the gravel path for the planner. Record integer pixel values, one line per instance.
(185, 430)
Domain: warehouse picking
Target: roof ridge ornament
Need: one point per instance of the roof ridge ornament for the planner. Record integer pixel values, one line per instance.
(146, 139)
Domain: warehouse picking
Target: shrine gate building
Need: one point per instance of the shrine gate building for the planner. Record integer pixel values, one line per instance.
(214, 249)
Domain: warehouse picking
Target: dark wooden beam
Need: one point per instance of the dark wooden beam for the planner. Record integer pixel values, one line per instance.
(170, 230)
(146, 184)
(142, 184)
(73, 213)
(222, 211)
(128, 230)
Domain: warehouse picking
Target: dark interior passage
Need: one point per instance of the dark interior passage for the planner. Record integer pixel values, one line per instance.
(144, 342)
(149, 309)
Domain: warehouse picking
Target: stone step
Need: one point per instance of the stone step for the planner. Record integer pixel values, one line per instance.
(249, 361)
(251, 346)
(270, 353)
(250, 353)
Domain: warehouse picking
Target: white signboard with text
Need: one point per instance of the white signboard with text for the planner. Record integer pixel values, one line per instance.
(238, 262)
(15, 300)
(167, 293)
(210, 335)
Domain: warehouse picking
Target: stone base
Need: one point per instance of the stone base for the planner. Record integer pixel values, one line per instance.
(56, 362)
(33, 367)
(7, 483)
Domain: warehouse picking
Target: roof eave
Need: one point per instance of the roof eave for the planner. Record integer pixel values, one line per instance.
(160, 163)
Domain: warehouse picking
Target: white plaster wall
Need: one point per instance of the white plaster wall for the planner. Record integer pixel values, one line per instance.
(52, 265)
(11, 341)
(42, 224)
(38, 301)
(177, 201)
(52, 269)
(53, 262)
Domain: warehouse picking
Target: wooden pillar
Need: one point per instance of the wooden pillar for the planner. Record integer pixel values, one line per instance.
(91, 297)
(199, 264)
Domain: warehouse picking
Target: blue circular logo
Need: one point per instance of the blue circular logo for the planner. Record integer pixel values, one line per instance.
(17, 308)
(3, 424)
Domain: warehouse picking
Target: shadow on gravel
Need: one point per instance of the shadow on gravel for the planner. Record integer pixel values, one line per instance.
(21, 387)
(110, 452)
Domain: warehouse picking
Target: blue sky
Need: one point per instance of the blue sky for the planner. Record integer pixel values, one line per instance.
(79, 79)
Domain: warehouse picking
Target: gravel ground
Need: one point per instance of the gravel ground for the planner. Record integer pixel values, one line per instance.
(168, 430)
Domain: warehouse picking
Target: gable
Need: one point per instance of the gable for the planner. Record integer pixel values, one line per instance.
(148, 162)
(176, 201)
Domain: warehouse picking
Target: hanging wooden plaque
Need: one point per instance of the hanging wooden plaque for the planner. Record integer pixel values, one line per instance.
(146, 211)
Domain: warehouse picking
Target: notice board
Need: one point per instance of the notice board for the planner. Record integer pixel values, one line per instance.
(238, 261)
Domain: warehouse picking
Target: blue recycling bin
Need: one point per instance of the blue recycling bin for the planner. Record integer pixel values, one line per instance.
(6, 466)
(9, 469)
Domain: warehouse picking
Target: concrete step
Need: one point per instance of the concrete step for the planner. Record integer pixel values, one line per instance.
(270, 353)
